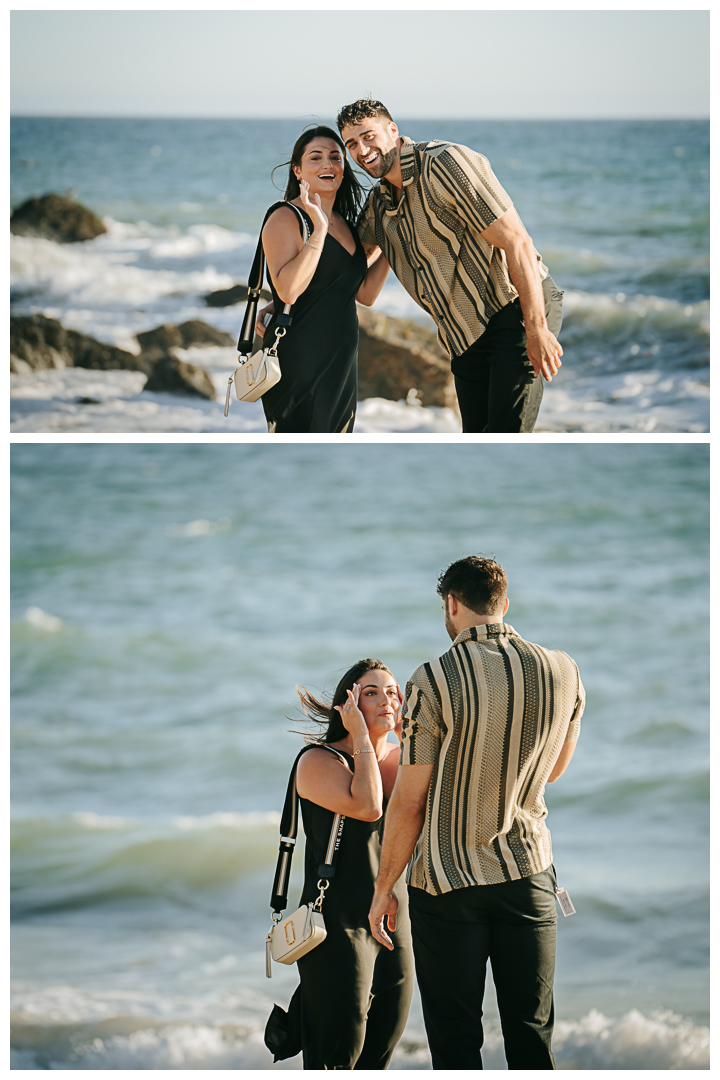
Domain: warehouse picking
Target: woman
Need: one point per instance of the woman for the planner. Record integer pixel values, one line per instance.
(354, 995)
(322, 279)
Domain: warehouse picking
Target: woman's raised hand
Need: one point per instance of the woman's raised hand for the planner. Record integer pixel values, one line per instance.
(352, 718)
(314, 209)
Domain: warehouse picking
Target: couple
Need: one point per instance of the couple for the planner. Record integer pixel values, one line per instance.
(460, 803)
(441, 220)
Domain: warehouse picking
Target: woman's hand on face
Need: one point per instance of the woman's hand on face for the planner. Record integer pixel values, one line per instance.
(352, 718)
(314, 209)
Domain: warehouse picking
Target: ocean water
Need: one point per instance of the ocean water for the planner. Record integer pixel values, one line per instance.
(619, 211)
(165, 601)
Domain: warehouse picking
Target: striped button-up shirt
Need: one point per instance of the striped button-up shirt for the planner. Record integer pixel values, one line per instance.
(432, 240)
(492, 715)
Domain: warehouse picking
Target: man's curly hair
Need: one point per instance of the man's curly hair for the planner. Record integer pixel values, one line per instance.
(361, 110)
(478, 583)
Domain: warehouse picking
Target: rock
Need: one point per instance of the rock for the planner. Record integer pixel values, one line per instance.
(55, 217)
(173, 376)
(193, 332)
(235, 295)
(197, 332)
(45, 343)
(397, 356)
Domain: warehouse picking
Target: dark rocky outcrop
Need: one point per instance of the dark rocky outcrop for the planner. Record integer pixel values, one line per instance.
(38, 343)
(55, 217)
(396, 356)
(237, 294)
(170, 375)
(187, 334)
(42, 343)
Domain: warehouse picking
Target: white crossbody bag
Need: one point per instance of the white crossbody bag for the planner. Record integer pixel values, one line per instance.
(256, 374)
(291, 936)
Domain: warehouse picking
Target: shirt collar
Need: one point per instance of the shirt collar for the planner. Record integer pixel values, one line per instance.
(407, 167)
(484, 632)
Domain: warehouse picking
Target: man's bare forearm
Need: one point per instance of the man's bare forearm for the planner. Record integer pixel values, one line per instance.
(543, 349)
(403, 825)
(525, 275)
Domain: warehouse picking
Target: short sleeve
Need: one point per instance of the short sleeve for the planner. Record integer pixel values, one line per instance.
(463, 180)
(421, 731)
(573, 730)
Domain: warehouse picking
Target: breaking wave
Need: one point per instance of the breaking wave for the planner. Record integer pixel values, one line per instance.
(659, 1040)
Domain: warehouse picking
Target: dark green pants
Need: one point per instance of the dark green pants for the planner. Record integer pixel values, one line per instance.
(496, 386)
(454, 934)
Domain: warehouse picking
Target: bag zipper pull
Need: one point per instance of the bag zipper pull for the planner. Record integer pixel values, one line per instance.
(268, 957)
(227, 396)
(308, 922)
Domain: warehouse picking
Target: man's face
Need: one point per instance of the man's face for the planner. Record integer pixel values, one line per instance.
(371, 145)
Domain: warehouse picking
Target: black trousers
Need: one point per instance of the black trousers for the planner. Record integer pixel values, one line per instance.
(454, 934)
(496, 386)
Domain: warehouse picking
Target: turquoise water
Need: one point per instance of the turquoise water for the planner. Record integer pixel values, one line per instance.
(165, 601)
(618, 209)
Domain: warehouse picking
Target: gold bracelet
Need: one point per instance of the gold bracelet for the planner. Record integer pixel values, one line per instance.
(308, 243)
(356, 752)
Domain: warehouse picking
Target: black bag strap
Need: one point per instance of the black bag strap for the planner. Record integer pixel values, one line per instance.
(289, 824)
(257, 275)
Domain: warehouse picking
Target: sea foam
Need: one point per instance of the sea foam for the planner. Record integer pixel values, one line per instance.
(660, 1040)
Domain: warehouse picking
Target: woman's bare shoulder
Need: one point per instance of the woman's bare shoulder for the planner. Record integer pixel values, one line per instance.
(281, 219)
(319, 758)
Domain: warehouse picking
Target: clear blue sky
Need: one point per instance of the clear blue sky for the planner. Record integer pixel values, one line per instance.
(503, 64)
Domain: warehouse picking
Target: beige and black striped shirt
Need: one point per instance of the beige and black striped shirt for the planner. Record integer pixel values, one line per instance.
(432, 237)
(492, 715)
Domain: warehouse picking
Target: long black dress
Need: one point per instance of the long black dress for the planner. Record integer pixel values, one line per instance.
(354, 996)
(317, 391)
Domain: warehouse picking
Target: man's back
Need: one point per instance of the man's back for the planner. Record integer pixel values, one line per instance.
(492, 714)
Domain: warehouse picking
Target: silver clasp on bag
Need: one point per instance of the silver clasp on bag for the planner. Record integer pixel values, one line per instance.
(323, 884)
(280, 332)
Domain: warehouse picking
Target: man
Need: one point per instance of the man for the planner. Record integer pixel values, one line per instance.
(485, 727)
(451, 234)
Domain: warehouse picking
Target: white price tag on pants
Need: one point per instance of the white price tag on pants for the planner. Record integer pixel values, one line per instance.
(565, 902)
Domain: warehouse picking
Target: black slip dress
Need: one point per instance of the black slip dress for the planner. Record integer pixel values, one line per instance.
(352, 1003)
(317, 391)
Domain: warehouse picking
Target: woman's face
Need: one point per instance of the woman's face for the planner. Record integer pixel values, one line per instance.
(379, 700)
(322, 165)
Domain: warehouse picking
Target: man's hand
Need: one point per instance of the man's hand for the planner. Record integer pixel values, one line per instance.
(509, 234)
(544, 352)
(384, 903)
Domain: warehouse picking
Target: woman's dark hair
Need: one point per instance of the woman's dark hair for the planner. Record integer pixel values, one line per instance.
(350, 196)
(325, 714)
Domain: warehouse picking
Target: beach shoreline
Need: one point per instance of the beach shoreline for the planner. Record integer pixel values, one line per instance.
(636, 316)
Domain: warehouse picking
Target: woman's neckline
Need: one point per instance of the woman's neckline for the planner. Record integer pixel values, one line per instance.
(353, 253)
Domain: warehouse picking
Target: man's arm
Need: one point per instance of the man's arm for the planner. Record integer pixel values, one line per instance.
(509, 234)
(463, 180)
(404, 820)
(562, 762)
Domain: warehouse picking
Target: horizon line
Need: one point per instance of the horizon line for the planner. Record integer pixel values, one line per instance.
(312, 116)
